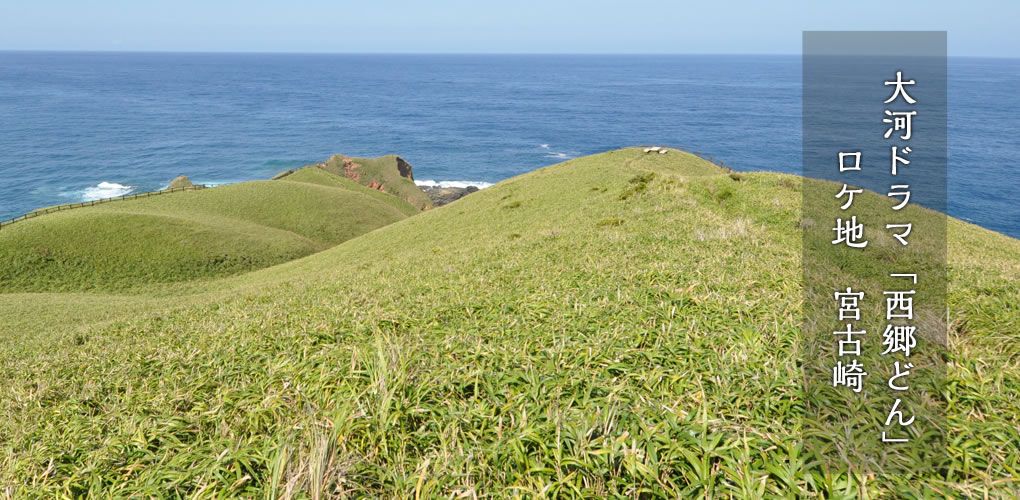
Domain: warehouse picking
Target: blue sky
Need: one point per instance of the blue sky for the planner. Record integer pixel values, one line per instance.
(590, 26)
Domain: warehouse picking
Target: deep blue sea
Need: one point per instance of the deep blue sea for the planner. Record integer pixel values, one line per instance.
(77, 126)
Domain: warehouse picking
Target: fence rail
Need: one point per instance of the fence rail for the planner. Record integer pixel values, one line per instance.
(61, 208)
(708, 158)
(281, 175)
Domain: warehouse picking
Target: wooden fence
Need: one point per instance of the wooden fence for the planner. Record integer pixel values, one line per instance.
(59, 208)
(708, 158)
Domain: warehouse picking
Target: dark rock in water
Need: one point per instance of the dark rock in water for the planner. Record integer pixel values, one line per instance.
(443, 195)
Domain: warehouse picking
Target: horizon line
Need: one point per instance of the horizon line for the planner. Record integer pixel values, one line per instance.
(437, 53)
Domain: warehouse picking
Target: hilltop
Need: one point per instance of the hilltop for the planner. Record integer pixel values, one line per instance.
(189, 235)
(390, 174)
(619, 325)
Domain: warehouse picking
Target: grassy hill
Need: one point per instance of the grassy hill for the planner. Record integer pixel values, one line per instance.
(316, 175)
(620, 325)
(188, 235)
(390, 174)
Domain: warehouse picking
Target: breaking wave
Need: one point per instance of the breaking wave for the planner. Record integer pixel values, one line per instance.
(453, 184)
(105, 190)
(559, 155)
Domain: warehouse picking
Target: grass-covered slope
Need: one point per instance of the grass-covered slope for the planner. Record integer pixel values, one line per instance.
(187, 235)
(390, 174)
(619, 325)
(314, 174)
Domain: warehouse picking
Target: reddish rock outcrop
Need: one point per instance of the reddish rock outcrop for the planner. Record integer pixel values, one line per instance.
(351, 169)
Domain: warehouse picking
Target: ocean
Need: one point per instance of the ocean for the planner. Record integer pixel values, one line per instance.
(80, 126)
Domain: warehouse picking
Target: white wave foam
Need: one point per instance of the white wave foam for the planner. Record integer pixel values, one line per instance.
(105, 190)
(559, 155)
(216, 183)
(206, 184)
(453, 184)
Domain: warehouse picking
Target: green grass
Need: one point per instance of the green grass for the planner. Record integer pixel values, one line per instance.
(384, 174)
(315, 175)
(187, 235)
(578, 344)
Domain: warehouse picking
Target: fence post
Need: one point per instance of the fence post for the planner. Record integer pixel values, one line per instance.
(92, 203)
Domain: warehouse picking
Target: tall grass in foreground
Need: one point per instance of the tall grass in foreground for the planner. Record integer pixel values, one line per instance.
(547, 337)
